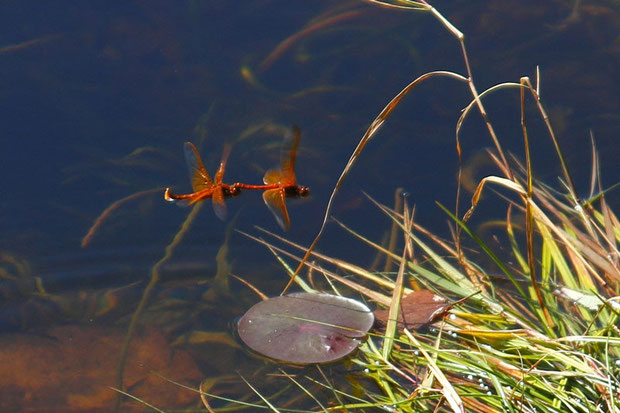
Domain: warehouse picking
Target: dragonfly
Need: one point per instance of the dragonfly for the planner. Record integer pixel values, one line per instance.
(202, 184)
(281, 183)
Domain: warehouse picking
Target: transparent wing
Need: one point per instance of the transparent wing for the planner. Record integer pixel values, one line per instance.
(274, 199)
(219, 175)
(291, 140)
(272, 176)
(219, 206)
(198, 175)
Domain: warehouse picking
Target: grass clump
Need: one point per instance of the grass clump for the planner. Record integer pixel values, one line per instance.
(541, 336)
(500, 349)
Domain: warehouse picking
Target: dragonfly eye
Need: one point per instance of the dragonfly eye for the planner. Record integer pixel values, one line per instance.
(304, 191)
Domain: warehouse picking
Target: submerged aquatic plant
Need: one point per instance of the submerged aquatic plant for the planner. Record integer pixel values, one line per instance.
(549, 343)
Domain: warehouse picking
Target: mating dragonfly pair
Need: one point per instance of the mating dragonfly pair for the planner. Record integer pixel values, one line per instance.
(279, 183)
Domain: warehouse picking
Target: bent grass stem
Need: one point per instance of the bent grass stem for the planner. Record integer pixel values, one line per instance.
(154, 279)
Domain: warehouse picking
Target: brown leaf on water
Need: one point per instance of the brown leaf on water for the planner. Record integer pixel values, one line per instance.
(416, 309)
(71, 369)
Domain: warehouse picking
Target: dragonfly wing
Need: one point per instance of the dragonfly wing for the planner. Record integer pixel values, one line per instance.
(291, 140)
(274, 199)
(219, 175)
(197, 173)
(200, 196)
(272, 176)
(219, 206)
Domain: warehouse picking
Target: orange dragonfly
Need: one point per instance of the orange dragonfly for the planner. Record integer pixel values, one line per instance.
(202, 184)
(280, 183)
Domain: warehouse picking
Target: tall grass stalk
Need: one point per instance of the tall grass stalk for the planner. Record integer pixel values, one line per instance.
(549, 343)
(542, 336)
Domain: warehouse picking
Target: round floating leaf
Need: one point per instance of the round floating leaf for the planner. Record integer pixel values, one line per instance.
(305, 328)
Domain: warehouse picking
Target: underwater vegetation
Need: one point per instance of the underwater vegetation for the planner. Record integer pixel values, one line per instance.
(549, 342)
(517, 313)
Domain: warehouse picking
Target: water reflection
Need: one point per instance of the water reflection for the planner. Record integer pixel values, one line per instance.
(98, 99)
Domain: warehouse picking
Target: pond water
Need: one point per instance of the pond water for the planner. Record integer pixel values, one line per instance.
(97, 99)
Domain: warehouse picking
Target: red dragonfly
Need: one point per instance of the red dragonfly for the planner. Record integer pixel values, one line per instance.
(202, 184)
(280, 183)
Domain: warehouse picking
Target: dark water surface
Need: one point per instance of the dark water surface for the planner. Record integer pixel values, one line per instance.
(97, 99)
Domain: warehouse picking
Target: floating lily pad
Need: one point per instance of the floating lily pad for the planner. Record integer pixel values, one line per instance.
(305, 328)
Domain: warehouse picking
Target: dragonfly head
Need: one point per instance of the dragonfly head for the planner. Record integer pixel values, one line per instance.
(296, 191)
(303, 191)
(231, 191)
